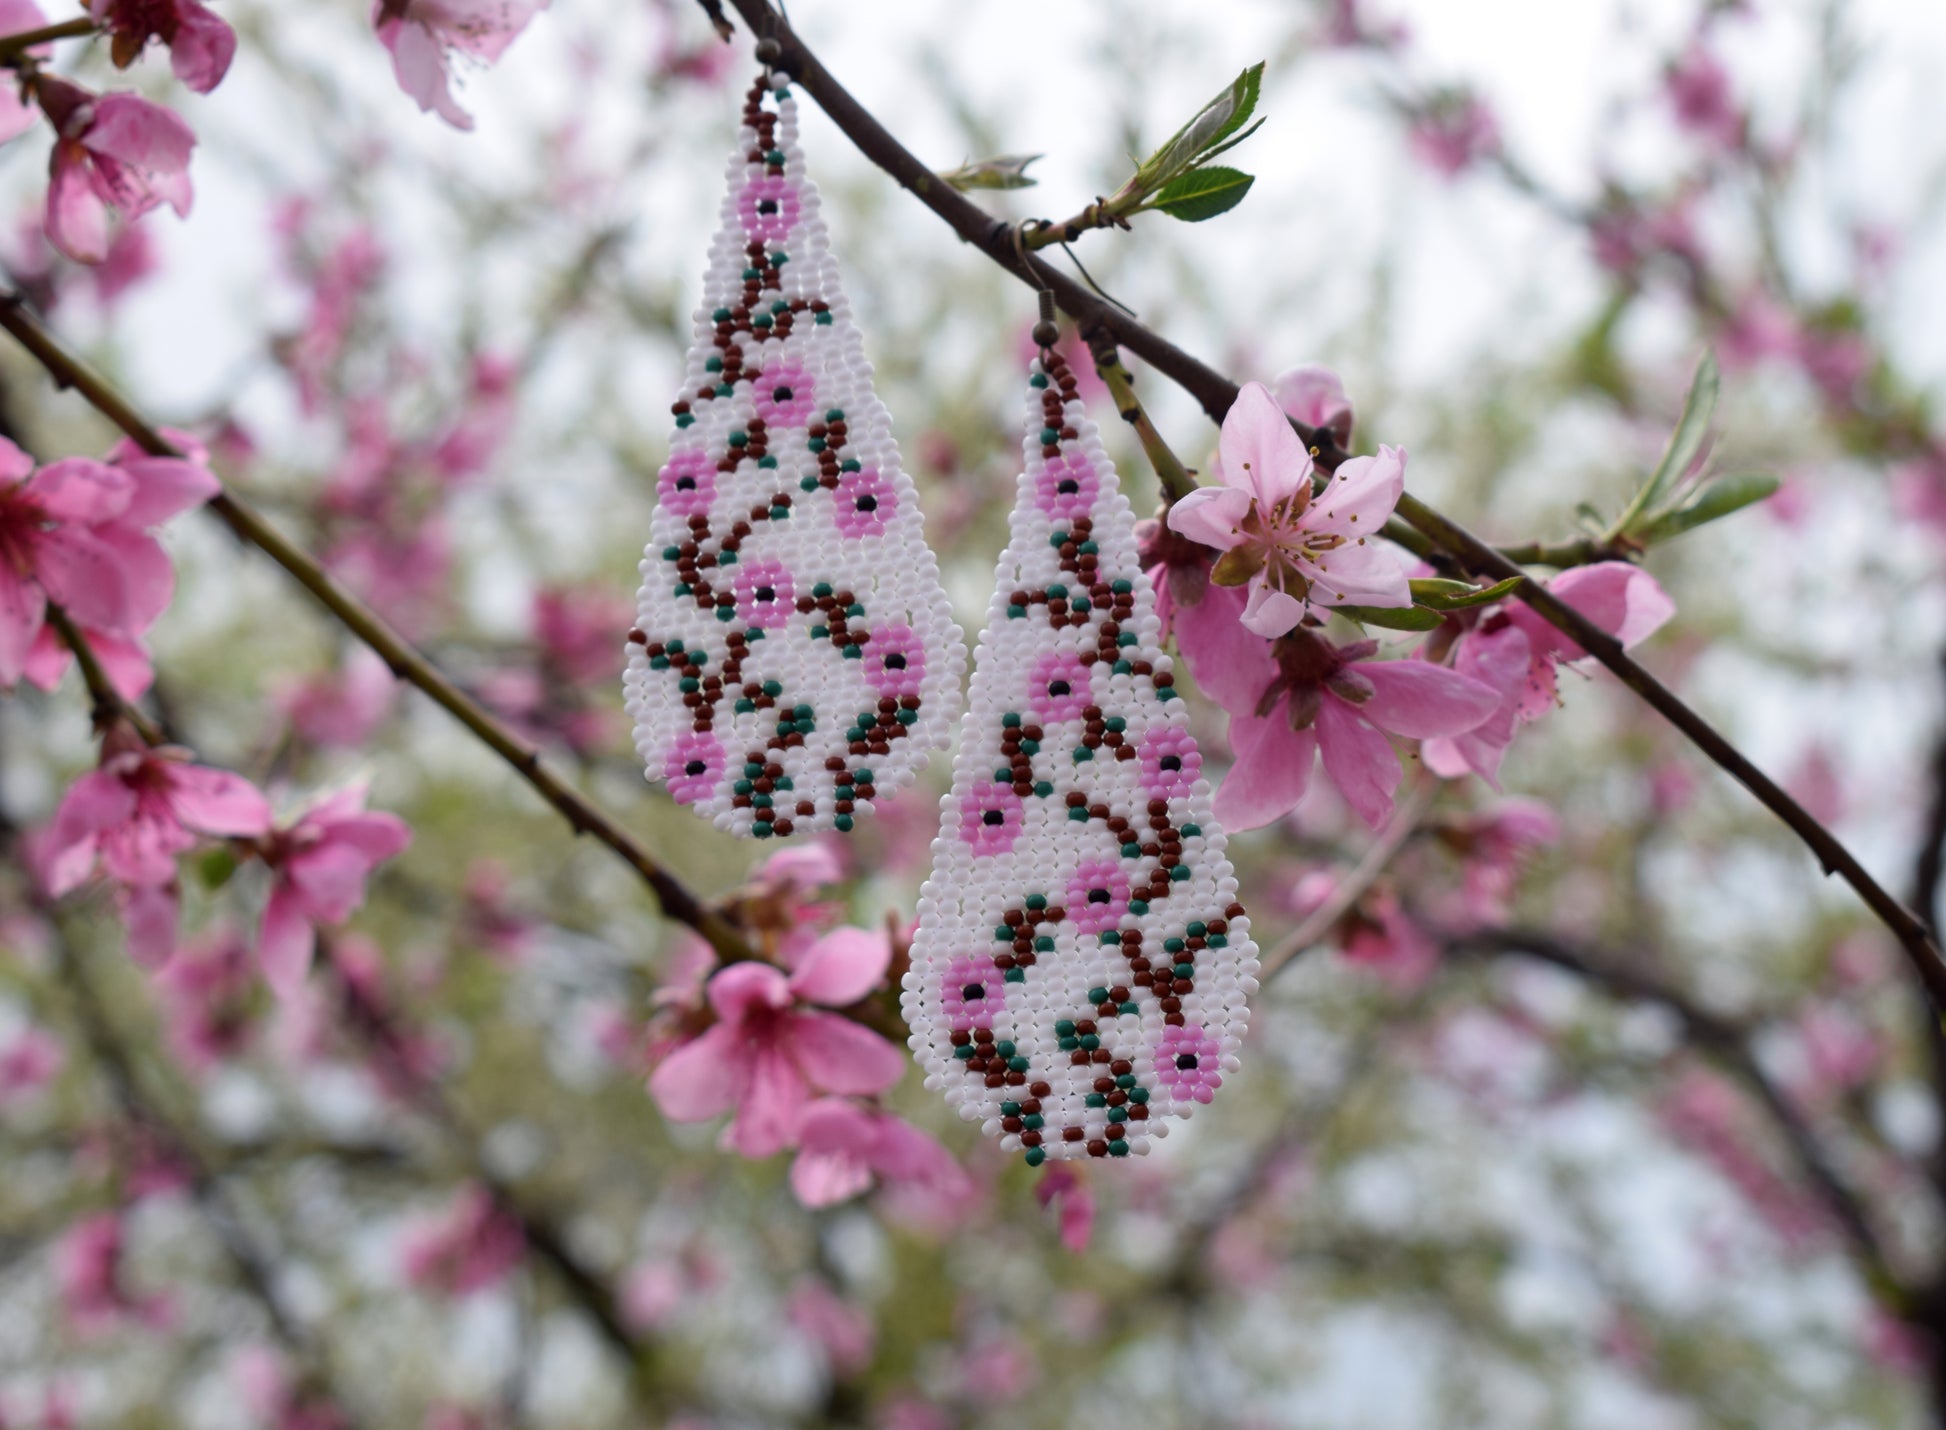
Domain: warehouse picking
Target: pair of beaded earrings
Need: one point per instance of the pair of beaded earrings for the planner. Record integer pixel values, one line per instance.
(1081, 964)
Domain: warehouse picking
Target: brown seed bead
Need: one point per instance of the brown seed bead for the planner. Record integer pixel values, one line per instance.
(1072, 1134)
(1122, 1067)
(1100, 1055)
(1097, 1148)
(1174, 1020)
(1030, 1139)
(1118, 994)
(1031, 1107)
(961, 1038)
(1015, 1079)
(1011, 1124)
(1234, 911)
(1004, 961)
(1139, 1112)
(1104, 1084)
(1117, 1098)
(1172, 1005)
(1077, 800)
(638, 636)
(1040, 1089)
(1028, 959)
(806, 809)
(1144, 980)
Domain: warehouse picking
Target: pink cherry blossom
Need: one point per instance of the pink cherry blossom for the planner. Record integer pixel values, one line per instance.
(843, 1146)
(77, 532)
(1315, 397)
(1294, 549)
(1496, 845)
(1452, 134)
(424, 35)
(29, 1062)
(340, 709)
(204, 991)
(1314, 698)
(1067, 1187)
(574, 631)
(200, 45)
(842, 1330)
(321, 862)
(132, 817)
(1207, 620)
(1384, 938)
(1516, 652)
(484, 424)
(110, 150)
(1699, 93)
(470, 1246)
(89, 1267)
(768, 1049)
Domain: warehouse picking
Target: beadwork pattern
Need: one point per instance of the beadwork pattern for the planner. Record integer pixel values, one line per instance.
(794, 657)
(1081, 967)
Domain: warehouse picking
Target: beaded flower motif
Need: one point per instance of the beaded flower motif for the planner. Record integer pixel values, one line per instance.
(794, 657)
(1081, 966)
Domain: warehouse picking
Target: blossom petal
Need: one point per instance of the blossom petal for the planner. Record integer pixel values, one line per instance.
(823, 1179)
(328, 880)
(151, 915)
(1417, 699)
(703, 1077)
(770, 1106)
(1358, 759)
(286, 943)
(164, 487)
(839, 1055)
(217, 801)
(143, 135)
(93, 803)
(86, 575)
(744, 988)
(1260, 452)
(1269, 612)
(1211, 515)
(1271, 773)
(842, 967)
(23, 609)
(1315, 397)
(1360, 495)
(77, 219)
(82, 491)
(1232, 665)
(1623, 600)
(203, 47)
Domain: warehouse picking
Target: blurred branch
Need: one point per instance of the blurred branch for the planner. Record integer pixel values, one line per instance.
(255, 1266)
(14, 47)
(1216, 393)
(1727, 1043)
(372, 1022)
(106, 703)
(406, 661)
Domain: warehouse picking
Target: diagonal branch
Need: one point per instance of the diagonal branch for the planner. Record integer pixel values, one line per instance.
(407, 661)
(1216, 393)
(1727, 1043)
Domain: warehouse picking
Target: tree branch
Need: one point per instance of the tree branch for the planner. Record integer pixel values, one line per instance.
(407, 662)
(1728, 1044)
(1216, 392)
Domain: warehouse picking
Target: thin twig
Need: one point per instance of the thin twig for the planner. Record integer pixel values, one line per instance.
(1346, 893)
(407, 662)
(1169, 471)
(1216, 393)
(106, 701)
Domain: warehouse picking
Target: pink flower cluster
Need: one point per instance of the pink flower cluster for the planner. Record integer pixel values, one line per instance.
(1292, 547)
(763, 1040)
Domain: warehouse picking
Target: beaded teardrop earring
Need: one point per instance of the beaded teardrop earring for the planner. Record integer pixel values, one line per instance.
(1081, 967)
(794, 657)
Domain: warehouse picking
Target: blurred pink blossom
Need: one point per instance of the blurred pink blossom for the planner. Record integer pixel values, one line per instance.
(89, 1267)
(321, 861)
(204, 991)
(1067, 1188)
(31, 1060)
(1699, 92)
(843, 1146)
(424, 35)
(842, 1330)
(1386, 940)
(1315, 397)
(201, 45)
(110, 150)
(470, 1246)
(1453, 133)
(340, 709)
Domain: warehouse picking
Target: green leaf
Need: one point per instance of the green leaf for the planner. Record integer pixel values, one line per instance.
(1684, 443)
(1393, 618)
(1202, 193)
(1443, 595)
(1716, 500)
(1002, 171)
(1214, 123)
(215, 866)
